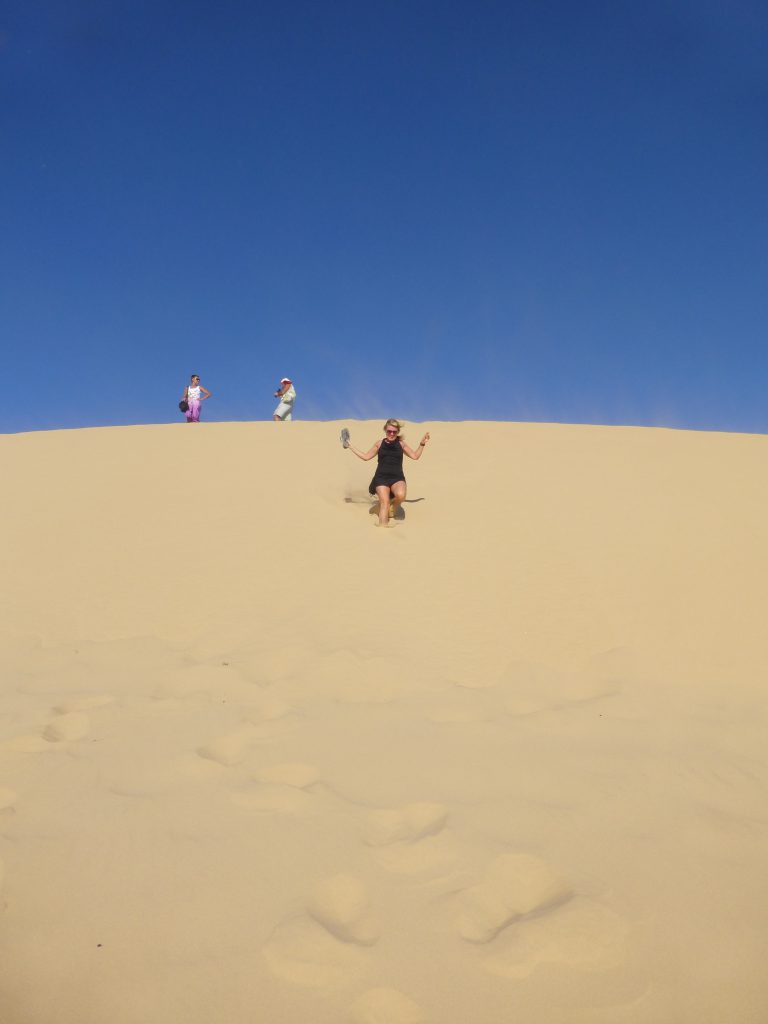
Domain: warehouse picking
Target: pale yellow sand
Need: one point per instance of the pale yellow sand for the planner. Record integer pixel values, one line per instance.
(504, 762)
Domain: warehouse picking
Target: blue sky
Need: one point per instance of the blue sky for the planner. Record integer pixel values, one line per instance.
(437, 210)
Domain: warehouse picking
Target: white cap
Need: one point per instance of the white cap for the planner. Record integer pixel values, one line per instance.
(286, 380)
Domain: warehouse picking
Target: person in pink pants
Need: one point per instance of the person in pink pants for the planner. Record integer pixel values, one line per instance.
(194, 395)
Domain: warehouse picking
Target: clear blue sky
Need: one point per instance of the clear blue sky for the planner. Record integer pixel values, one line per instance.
(463, 210)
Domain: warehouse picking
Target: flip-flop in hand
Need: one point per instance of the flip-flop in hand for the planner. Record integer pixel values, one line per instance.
(344, 437)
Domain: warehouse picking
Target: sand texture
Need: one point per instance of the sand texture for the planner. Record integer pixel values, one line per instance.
(503, 762)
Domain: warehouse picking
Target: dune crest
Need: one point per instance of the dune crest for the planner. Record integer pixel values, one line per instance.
(505, 761)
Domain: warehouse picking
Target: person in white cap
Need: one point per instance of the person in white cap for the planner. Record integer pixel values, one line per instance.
(287, 395)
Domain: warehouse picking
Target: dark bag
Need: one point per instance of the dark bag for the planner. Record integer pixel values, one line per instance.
(184, 405)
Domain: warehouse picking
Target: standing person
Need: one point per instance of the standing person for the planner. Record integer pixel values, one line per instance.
(287, 395)
(388, 482)
(194, 395)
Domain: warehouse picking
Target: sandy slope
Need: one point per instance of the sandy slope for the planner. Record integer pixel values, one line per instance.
(261, 762)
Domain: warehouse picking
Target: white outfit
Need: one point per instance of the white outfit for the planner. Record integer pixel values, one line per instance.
(285, 409)
(193, 393)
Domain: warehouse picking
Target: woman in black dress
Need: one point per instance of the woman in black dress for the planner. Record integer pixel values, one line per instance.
(388, 482)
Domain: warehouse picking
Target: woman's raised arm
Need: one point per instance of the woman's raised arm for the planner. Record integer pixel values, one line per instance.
(365, 456)
(418, 453)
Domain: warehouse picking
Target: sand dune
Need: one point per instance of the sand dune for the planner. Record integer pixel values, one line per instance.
(263, 762)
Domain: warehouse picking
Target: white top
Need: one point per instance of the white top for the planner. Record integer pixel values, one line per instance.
(290, 396)
(193, 393)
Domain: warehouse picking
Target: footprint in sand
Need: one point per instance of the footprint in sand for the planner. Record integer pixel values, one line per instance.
(515, 884)
(342, 906)
(67, 728)
(7, 799)
(266, 667)
(411, 822)
(230, 749)
(410, 839)
(293, 773)
(432, 856)
(301, 952)
(233, 747)
(386, 1006)
(323, 948)
(83, 704)
(280, 789)
(267, 709)
(532, 689)
(581, 934)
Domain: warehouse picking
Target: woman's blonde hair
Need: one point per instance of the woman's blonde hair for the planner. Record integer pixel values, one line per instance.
(393, 423)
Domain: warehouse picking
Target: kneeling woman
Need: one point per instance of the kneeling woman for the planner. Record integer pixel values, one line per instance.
(388, 482)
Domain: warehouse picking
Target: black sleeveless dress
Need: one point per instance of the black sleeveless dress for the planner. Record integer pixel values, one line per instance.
(390, 467)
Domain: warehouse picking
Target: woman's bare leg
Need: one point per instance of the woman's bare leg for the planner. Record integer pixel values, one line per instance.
(383, 495)
(399, 490)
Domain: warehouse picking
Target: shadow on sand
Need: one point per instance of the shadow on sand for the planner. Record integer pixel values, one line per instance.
(374, 505)
(367, 500)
